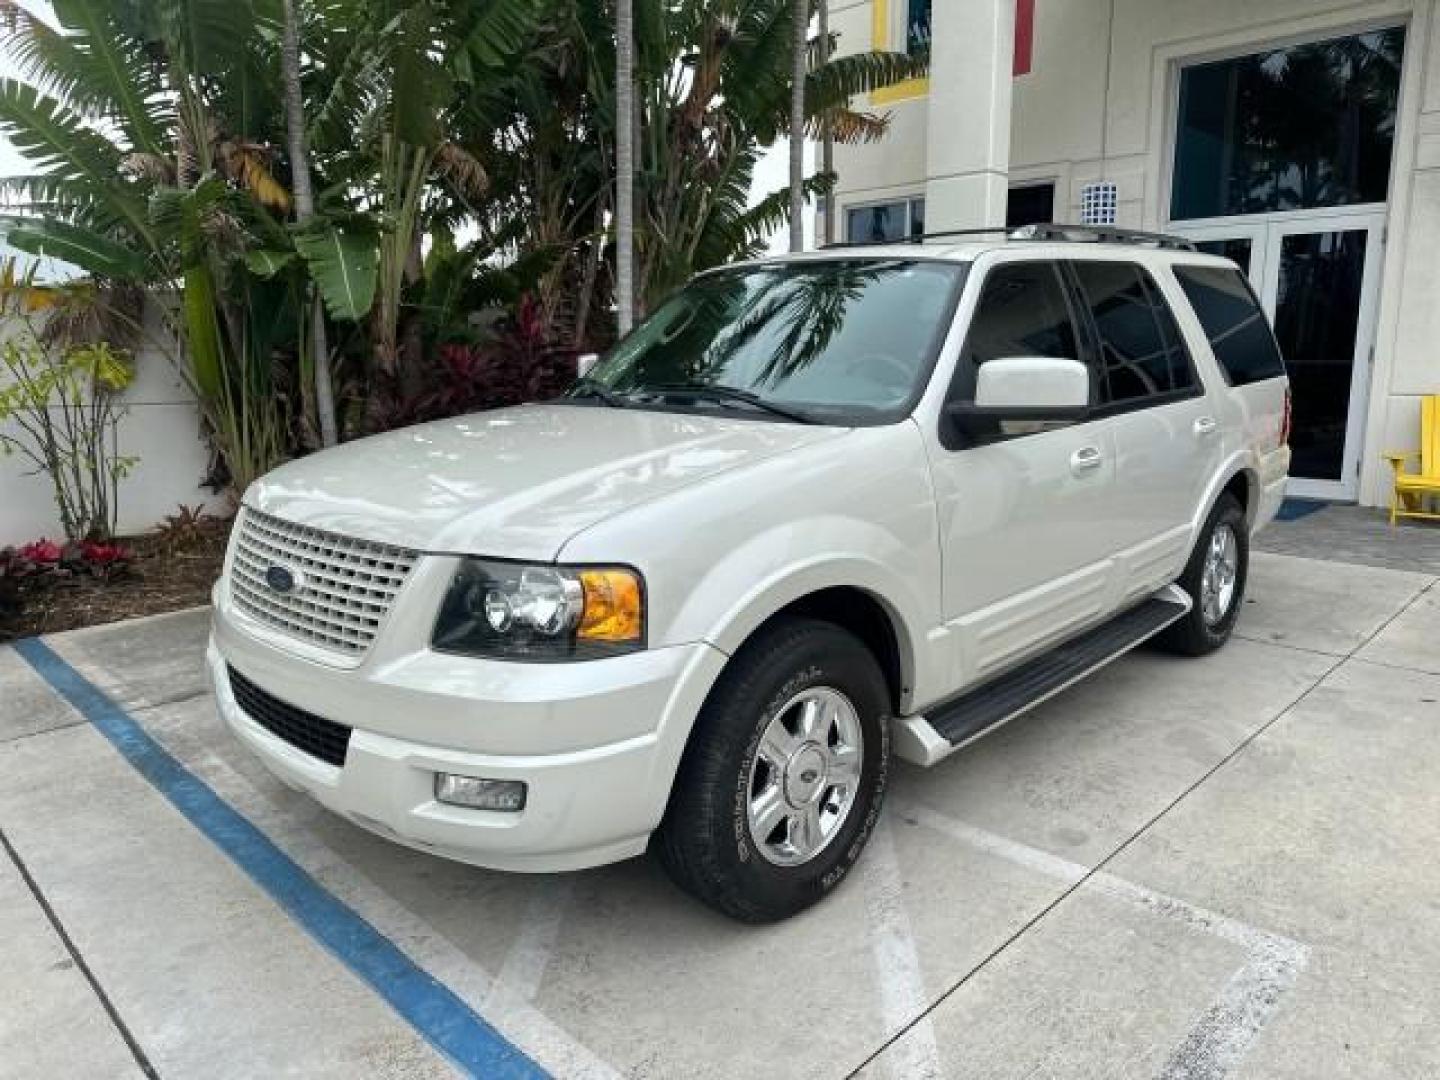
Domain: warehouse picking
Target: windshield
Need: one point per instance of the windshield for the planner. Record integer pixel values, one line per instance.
(843, 341)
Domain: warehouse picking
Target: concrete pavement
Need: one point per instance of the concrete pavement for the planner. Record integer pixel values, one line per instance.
(1176, 869)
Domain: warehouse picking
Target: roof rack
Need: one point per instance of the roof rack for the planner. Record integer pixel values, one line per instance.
(1102, 234)
(1053, 232)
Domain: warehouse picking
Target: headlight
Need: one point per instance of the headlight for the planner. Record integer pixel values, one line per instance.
(518, 612)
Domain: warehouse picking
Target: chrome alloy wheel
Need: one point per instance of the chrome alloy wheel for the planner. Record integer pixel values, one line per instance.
(1219, 575)
(805, 776)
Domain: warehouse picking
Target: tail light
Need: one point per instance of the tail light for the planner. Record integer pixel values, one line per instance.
(1286, 420)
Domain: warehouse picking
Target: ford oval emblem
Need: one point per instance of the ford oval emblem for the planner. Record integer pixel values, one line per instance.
(281, 579)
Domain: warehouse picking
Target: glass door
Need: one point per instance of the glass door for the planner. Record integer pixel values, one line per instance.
(1317, 276)
(1321, 295)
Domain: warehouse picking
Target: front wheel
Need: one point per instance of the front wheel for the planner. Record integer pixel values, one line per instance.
(784, 775)
(1215, 580)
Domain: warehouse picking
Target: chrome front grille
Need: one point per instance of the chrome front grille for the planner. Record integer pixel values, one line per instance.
(343, 587)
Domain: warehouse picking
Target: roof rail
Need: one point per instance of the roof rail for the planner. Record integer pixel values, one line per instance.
(1053, 232)
(1102, 234)
(918, 238)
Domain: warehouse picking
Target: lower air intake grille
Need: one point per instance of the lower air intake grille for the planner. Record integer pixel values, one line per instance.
(305, 731)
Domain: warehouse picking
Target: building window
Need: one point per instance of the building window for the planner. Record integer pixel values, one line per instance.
(1288, 129)
(880, 223)
(1031, 204)
(917, 26)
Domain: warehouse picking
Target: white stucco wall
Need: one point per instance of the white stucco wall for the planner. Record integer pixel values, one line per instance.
(162, 428)
(1100, 104)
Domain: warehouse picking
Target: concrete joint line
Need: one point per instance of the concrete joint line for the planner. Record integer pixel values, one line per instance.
(44, 731)
(136, 1052)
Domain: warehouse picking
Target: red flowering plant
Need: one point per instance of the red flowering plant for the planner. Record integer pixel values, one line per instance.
(46, 558)
(519, 363)
(98, 560)
(41, 553)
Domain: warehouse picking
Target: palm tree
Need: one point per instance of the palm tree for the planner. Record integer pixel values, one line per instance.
(800, 66)
(625, 163)
(827, 137)
(148, 128)
(304, 211)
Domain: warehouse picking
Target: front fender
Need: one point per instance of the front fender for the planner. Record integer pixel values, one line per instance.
(752, 583)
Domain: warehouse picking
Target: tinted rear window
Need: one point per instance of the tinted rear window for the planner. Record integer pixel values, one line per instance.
(1238, 333)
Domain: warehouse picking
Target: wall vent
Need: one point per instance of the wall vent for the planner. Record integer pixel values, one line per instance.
(1099, 203)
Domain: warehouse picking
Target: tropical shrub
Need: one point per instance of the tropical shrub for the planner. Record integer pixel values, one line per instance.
(515, 363)
(163, 158)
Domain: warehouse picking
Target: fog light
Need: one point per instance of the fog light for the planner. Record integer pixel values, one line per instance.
(507, 796)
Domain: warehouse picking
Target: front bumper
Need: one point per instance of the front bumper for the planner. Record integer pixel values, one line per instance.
(596, 743)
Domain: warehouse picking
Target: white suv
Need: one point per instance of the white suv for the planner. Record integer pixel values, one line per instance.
(813, 511)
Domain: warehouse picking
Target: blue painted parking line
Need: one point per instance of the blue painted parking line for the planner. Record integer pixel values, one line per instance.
(427, 1004)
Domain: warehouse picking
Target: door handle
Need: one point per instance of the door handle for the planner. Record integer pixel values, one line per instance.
(1085, 459)
(1206, 425)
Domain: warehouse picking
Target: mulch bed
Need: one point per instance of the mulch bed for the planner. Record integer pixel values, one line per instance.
(163, 576)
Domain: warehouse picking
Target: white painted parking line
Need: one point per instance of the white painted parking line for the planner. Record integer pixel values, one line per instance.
(897, 961)
(524, 968)
(1249, 999)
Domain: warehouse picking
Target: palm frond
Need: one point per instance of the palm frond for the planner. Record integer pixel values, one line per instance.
(849, 126)
(461, 170)
(833, 84)
(97, 67)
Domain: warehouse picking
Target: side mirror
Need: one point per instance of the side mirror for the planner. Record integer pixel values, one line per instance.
(1029, 388)
(584, 362)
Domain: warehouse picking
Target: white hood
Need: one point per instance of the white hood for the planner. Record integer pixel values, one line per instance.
(514, 483)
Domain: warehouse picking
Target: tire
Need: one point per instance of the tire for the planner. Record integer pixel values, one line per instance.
(727, 787)
(1208, 626)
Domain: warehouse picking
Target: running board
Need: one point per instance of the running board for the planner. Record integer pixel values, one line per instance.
(928, 738)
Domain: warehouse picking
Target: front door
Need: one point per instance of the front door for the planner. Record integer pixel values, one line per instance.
(1317, 276)
(1027, 519)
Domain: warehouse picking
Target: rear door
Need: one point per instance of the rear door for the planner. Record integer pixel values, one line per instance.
(1168, 437)
(1026, 517)
(1247, 356)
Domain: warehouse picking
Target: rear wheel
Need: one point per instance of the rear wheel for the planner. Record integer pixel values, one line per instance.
(1215, 580)
(784, 776)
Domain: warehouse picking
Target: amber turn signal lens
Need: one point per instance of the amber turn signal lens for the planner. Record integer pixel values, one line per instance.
(613, 607)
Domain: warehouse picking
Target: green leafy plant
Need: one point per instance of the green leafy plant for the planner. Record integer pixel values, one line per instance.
(63, 409)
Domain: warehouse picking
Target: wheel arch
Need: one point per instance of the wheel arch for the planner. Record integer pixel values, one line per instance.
(1240, 478)
(870, 619)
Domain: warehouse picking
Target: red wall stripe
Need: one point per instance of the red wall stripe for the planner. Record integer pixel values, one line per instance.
(1024, 36)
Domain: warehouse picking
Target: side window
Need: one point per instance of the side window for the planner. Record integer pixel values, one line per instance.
(1182, 367)
(1022, 312)
(1141, 351)
(1238, 333)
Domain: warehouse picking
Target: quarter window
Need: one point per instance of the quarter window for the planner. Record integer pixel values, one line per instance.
(1022, 312)
(1239, 335)
(1141, 351)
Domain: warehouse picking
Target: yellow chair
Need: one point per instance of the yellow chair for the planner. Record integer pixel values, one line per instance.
(1412, 488)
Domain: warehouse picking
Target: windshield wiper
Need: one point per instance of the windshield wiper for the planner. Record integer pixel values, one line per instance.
(733, 394)
(587, 387)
